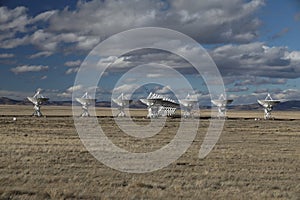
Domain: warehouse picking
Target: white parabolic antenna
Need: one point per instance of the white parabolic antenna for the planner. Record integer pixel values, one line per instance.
(85, 102)
(159, 105)
(122, 102)
(268, 105)
(188, 104)
(221, 103)
(37, 100)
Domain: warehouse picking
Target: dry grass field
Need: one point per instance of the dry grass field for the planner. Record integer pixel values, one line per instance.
(43, 158)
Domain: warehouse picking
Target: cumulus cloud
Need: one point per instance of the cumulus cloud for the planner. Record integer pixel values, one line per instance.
(74, 66)
(7, 55)
(233, 24)
(164, 90)
(16, 21)
(75, 88)
(43, 16)
(29, 68)
(68, 92)
(257, 59)
(125, 88)
(288, 94)
(206, 21)
(237, 89)
(253, 59)
(73, 63)
(267, 90)
(251, 80)
(72, 70)
(41, 54)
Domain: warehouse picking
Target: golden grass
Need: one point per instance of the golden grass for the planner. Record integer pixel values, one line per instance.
(43, 158)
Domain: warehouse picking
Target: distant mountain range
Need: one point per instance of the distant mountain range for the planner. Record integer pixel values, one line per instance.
(287, 105)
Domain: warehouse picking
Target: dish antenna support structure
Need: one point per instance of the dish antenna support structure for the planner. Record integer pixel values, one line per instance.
(37, 101)
(122, 103)
(85, 102)
(188, 105)
(268, 105)
(159, 105)
(221, 104)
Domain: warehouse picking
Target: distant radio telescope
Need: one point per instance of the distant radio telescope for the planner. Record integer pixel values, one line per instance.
(159, 105)
(37, 101)
(122, 103)
(85, 102)
(268, 105)
(188, 105)
(221, 103)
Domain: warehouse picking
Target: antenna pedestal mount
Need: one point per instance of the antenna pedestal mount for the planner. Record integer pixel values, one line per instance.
(188, 106)
(268, 105)
(85, 102)
(122, 103)
(37, 101)
(37, 111)
(221, 104)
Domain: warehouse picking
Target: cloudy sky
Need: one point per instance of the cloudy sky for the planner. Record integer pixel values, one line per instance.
(254, 43)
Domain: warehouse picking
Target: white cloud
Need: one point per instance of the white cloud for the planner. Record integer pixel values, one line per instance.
(252, 80)
(114, 62)
(68, 92)
(237, 89)
(206, 21)
(125, 88)
(79, 90)
(73, 63)
(7, 55)
(72, 70)
(164, 90)
(75, 88)
(288, 94)
(294, 56)
(41, 54)
(29, 68)
(257, 59)
(13, 20)
(43, 16)
(14, 42)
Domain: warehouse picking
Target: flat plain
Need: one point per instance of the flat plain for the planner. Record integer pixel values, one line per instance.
(44, 158)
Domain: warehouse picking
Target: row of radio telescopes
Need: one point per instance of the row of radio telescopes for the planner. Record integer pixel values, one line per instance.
(157, 105)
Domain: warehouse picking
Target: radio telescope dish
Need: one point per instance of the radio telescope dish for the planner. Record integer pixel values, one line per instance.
(159, 105)
(188, 104)
(85, 102)
(37, 101)
(268, 105)
(221, 103)
(122, 103)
